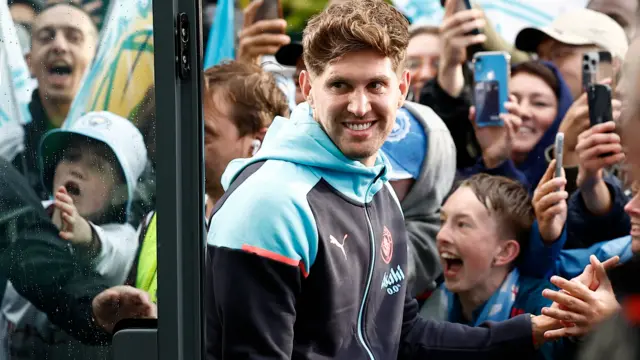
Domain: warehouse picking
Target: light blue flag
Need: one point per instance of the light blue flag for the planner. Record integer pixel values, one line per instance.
(222, 35)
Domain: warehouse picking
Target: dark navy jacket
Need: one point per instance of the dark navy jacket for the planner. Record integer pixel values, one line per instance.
(307, 259)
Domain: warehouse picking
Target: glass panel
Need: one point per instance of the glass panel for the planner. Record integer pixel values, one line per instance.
(77, 170)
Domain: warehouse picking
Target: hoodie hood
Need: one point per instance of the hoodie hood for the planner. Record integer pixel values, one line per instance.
(535, 164)
(301, 140)
(438, 168)
(421, 206)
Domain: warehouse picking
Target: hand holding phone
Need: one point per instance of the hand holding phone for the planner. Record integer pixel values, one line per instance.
(600, 109)
(460, 34)
(263, 32)
(491, 75)
(269, 10)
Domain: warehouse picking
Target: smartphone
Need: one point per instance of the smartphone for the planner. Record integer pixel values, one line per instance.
(270, 9)
(605, 68)
(463, 5)
(600, 111)
(491, 86)
(559, 147)
(589, 69)
(597, 66)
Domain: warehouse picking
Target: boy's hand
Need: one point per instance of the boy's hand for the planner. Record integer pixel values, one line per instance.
(550, 204)
(74, 227)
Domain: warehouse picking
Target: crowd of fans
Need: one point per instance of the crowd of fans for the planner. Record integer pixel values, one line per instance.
(355, 211)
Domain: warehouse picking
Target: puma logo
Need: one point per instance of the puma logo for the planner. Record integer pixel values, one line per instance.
(335, 242)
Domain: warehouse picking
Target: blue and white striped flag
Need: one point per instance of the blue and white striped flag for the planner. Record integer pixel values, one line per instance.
(18, 72)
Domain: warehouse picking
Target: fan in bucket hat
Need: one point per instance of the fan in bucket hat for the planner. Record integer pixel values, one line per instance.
(579, 27)
(116, 132)
(405, 147)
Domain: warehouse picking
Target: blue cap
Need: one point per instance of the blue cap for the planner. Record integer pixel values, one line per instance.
(405, 147)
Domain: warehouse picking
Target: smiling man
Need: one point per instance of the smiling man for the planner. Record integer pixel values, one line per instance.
(63, 44)
(315, 265)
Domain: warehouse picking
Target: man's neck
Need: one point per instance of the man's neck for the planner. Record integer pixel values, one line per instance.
(481, 293)
(370, 161)
(56, 111)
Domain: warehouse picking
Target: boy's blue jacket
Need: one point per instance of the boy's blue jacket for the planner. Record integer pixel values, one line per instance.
(523, 296)
(307, 256)
(543, 260)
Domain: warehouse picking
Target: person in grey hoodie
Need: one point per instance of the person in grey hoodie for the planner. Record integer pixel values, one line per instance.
(423, 160)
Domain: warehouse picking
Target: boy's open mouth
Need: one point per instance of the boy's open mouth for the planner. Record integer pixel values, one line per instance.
(72, 188)
(452, 264)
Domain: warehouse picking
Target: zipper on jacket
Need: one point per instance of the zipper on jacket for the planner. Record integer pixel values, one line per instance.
(372, 241)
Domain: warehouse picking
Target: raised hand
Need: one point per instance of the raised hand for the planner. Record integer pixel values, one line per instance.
(74, 228)
(259, 38)
(455, 34)
(550, 204)
(576, 121)
(593, 144)
(577, 305)
(496, 141)
(122, 302)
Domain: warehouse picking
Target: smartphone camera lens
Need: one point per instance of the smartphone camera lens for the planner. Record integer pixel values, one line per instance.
(593, 62)
(586, 66)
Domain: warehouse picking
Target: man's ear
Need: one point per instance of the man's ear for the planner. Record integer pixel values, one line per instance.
(405, 81)
(305, 86)
(510, 249)
(261, 133)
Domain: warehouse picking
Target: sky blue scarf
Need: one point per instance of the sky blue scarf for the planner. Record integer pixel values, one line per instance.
(497, 308)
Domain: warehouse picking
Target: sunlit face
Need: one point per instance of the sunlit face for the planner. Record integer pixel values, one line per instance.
(423, 54)
(467, 242)
(62, 47)
(539, 107)
(568, 60)
(355, 100)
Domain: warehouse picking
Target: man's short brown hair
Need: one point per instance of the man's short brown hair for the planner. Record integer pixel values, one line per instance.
(253, 95)
(508, 202)
(354, 26)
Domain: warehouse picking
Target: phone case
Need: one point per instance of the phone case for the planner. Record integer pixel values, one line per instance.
(590, 62)
(270, 9)
(605, 68)
(491, 75)
(600, 110)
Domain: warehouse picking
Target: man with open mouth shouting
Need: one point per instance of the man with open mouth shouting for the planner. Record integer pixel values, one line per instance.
(63, 44)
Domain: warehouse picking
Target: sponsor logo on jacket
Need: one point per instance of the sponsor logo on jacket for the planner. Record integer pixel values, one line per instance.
(392, 280)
